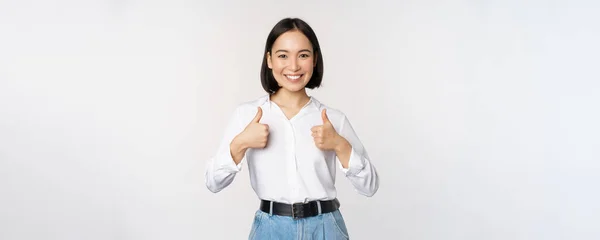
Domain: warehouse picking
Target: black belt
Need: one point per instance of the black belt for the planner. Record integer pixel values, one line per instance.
(300, 210)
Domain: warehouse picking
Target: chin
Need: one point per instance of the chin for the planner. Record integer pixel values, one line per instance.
(293, 87)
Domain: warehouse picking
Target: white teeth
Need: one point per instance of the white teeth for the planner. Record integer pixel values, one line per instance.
(292, 77)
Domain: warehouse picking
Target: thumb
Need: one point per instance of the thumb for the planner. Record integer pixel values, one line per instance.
(258, 116)
(324, 116)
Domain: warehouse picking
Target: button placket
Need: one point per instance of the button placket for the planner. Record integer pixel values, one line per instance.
(292, 154)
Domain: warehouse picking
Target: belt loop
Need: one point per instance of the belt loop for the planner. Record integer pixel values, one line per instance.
(270, 208)
(319, 206)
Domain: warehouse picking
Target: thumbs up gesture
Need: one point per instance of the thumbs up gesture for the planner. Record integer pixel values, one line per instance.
(255, 134)
(325, 136)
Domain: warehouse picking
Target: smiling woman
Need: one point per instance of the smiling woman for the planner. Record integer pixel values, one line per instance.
(293, 47)
(292, 60)
(291, 143)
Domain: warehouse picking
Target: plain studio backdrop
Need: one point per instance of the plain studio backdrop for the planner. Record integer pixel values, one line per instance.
(480, 116)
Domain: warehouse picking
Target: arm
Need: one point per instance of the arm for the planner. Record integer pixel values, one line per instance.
(355, 161)
(223, 166)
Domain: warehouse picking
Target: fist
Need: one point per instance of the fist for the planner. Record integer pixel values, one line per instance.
(255, 135)
(325, 136)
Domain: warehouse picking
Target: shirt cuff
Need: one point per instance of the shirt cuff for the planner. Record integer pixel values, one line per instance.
(228, 165)
(355, 165)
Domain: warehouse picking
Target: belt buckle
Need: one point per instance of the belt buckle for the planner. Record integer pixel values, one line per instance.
(300, 213)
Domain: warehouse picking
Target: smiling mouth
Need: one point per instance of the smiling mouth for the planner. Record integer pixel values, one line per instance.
(293, 77)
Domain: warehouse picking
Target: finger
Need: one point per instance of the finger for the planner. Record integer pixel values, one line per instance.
(324, 116)
(258, 116)
(316, 128)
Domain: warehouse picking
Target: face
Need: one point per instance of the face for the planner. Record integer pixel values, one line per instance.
(292, 60)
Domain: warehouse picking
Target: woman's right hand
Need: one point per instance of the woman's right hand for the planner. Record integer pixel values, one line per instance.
(255, 135)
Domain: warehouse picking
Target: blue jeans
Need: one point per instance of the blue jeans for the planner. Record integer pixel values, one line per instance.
(326, 226)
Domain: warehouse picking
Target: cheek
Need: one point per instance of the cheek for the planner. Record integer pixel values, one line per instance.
(308, 65)
(277, 67)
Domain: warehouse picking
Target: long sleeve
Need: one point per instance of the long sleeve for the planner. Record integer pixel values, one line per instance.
(221, 169)
(361, 172)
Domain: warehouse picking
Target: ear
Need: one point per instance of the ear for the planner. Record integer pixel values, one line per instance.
(269, 63)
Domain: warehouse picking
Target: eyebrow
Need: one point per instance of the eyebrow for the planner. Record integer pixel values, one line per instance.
(282, 50)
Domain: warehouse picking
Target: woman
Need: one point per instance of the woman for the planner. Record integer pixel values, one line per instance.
(291, 143)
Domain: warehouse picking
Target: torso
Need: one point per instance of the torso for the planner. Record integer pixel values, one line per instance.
(291, 168)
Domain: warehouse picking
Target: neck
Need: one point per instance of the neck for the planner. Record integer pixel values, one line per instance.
(287, 99)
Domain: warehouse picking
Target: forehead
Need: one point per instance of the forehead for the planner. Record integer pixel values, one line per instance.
(291, 41)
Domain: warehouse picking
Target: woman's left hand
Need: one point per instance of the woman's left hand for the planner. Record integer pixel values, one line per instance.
(325, 136)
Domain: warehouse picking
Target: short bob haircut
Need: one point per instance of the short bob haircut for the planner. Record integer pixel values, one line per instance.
(287, 24)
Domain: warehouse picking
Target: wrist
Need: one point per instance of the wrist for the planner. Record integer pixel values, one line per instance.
(237, 145)
(342, 145)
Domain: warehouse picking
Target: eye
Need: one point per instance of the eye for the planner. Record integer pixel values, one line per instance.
(304, 55)
(282, 56)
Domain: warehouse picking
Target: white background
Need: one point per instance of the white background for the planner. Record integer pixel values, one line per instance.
(480, 116)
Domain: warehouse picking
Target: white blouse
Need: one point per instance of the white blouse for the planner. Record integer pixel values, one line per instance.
(291, 169)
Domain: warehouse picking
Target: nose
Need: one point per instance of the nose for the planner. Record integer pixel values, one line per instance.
(294, 65)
